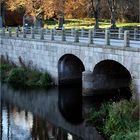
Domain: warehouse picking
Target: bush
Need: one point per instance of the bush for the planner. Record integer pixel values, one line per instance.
(117, 121)
(4, 68)
(33, 77)
(45, 80)
(98, 117)
(121, 120)
(24, 75)
(17, 76)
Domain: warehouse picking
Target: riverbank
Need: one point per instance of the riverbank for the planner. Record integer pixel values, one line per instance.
(116, 120)
(23, 75)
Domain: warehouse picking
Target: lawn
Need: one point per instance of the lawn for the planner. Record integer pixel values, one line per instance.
(88, 23)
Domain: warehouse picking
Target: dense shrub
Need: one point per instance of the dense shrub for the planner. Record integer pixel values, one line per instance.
(117, 121)
(23, 76)
(17, 76)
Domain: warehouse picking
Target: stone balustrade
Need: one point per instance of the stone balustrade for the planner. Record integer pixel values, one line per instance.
(76, 35)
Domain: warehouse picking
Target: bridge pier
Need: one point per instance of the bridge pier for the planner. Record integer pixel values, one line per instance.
(87, 82)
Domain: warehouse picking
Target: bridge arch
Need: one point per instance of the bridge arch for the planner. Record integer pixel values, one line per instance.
(70, 69)
(111, 75)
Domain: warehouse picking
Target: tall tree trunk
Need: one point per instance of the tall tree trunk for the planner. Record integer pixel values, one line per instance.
(61, 21)
(61, 14)
(96, 10)
(113, 20)
(96, 19)
(112, 8)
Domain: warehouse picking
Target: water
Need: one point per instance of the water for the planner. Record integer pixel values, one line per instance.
(56, 114)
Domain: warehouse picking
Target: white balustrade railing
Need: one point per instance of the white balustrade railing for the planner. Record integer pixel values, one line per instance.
(107, 36)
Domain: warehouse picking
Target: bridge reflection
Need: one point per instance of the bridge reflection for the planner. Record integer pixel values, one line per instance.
(70, 103)
(47, 121)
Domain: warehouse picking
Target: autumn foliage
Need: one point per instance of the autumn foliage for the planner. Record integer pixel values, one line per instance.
(124, 10)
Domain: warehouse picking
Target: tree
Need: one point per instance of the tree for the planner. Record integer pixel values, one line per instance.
(94, 5)
(76, 9)
(112, 7)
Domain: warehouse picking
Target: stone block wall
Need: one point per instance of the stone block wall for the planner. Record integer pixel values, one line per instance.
(45, 55)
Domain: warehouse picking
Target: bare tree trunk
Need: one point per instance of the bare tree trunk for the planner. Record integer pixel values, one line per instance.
(112, 8)
(113, 20)
(96, 20)
(61, 21)
(61, 14)
(96, 10)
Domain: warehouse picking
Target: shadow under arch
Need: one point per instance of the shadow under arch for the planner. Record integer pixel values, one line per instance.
(113, 78)
(70, 69)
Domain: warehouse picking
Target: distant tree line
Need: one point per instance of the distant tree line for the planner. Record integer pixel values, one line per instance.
(115, 10)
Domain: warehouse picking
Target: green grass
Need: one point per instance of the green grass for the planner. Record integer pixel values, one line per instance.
(88, 23)
(117, 121)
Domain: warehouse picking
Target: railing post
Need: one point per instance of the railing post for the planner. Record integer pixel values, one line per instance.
(17, 32)
(126, 39)
(24, 32)
(90, 36)
(72, 32)
(63, 35)
(33, 32)
(76, 36)
(120, 35)
(47, 30)
(94, 32)
(135, 33)
(52, 34)
(82, 32)
(54, 31)
(41, 33)
(107, 37)
(10, 31)
(3, 31)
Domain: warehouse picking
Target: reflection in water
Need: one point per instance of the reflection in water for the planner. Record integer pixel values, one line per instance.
(17, 124)
(70, 103)
(35, 115)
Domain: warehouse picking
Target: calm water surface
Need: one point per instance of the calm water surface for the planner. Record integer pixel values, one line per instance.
(56, 114)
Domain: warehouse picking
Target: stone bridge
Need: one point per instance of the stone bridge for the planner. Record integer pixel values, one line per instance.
(98, 66)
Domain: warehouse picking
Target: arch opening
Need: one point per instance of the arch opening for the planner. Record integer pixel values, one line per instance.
(70, 70)
(112, 78)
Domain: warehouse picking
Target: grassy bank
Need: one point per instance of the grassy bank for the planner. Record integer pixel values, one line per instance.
(88, 23)
(117, 120)
(23, 75)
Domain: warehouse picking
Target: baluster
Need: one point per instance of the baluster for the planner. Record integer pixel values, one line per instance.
(54, 31)
(52, 34)
(63, 35)
(82, 32)
(41, 33)
(135, 33)
(107, 37)
(17, 32)
(120, 35)
(24, 32)
(47, 30)
(76, 36)
(72, 32)
(126, 39)
(94, 32)
(90, 37)
(33, 32)
(10, 32)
